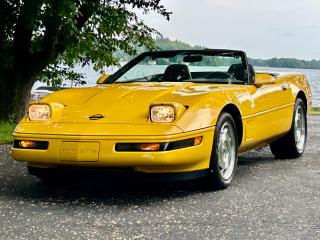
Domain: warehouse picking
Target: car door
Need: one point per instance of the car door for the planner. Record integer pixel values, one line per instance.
(269, 113)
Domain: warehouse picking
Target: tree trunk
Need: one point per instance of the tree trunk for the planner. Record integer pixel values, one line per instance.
(15, 90)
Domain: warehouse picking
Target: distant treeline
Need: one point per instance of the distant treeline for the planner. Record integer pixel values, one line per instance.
(286, 63)
(167, 44)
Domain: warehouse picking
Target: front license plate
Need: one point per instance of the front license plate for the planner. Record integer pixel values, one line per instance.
(79, 151)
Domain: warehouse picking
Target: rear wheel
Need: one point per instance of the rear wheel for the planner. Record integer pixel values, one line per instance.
(292, 145)
(224, 154)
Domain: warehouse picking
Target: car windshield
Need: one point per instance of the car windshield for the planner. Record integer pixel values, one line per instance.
(208, 67)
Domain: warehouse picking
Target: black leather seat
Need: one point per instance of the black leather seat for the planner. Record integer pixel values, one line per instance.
(176, 73)
(237, 71)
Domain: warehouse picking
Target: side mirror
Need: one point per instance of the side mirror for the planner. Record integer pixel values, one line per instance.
(103, 78)
(263, 78)
(252, 73)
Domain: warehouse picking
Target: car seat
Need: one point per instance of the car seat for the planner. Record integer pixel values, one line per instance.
(176, 73)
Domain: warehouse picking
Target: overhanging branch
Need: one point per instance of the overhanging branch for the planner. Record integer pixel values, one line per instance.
(55, 37)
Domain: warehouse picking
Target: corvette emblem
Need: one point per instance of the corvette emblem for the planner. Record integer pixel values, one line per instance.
(96, 117)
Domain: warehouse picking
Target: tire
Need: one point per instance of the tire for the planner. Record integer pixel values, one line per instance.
(224, 154)
(292, 144)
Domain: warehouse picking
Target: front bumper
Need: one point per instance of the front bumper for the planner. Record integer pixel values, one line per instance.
(181, 160)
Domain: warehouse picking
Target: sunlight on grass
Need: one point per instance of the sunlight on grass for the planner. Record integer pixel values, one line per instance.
(6, 130)
(314, 111)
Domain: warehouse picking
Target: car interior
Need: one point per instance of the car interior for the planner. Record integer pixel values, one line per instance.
(181, 73)
(173, 67)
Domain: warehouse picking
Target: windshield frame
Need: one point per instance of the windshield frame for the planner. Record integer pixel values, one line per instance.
(114, 77)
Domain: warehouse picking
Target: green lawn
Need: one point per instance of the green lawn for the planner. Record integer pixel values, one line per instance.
(314, 111)
(6, 130)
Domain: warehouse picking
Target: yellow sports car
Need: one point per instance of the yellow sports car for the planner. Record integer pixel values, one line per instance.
(183, 114)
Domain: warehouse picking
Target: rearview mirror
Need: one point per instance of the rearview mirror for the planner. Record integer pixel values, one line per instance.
(263, 78)
(192, 59)
(103, 78)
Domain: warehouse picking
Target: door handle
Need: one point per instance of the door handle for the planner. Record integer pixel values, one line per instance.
(284, 87)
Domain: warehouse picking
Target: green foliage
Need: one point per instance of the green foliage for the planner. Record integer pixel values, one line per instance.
(314, 111)
(51, 33)
(6, 130)
(286, 63)
(38, 36)
(55, 76)
(160, 44)
(167, 44)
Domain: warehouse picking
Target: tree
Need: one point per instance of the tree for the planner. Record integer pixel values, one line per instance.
(38, 34)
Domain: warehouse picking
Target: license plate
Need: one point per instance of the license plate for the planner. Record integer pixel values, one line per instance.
(79, 151)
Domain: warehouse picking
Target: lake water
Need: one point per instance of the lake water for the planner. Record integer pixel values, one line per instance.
(313, 77)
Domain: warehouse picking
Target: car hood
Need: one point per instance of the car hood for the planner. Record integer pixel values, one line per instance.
(126, 102)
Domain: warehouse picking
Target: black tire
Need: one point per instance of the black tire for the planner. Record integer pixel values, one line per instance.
(287, 147)
(215, 179)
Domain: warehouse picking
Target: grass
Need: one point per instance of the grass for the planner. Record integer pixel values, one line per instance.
(6, 129)
(314, 111)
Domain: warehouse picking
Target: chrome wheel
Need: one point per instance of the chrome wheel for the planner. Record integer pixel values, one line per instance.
(226, 151)
(223, 162)
(300, 128)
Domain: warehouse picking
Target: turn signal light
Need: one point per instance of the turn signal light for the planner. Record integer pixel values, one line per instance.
(197, 141)
(150, 146)
(26, 144)
(154, 147)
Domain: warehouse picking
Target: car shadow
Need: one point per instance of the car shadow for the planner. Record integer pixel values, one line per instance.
(100, 190)
(106, 190)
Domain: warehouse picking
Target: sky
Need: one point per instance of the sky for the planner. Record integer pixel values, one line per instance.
(262, 28)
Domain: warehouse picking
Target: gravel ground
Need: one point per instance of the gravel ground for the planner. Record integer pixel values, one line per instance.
(269, 199)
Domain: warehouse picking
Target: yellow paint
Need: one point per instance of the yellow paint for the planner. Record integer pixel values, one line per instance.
(264, 78)
(266, 113)
(188, 159)
(103, 78)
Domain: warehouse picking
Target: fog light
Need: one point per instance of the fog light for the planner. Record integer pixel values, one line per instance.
(26, 144)
(156, 147)
(149, 146)
(140, 147)
(197, 141)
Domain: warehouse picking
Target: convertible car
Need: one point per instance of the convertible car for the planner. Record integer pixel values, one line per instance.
(174, 114)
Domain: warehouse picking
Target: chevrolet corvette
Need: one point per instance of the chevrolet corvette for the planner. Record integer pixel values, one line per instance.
(180, 114)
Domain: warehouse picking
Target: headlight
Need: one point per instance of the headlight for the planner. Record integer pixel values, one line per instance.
(39, 112)
(162, 113)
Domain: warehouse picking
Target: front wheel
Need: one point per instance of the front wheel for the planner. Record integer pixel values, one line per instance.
(292, 145)
(224, 154)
